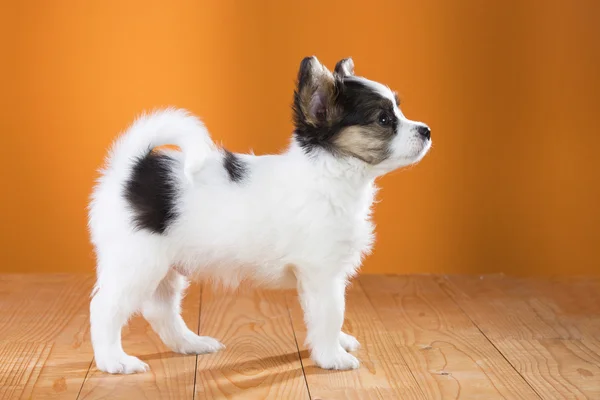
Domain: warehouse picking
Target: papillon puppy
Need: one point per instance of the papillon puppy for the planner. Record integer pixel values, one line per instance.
(299, 219)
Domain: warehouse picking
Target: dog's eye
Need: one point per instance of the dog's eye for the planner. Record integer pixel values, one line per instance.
(384, 119)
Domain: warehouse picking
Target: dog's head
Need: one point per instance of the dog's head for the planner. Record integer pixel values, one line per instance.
(351, 116)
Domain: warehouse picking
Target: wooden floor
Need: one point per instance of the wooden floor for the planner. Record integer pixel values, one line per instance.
(423, 337)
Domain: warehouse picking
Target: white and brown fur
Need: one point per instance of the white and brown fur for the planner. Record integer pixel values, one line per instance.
(297, 219)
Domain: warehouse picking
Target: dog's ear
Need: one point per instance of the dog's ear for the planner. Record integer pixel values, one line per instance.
(315, 94)
(345, 67)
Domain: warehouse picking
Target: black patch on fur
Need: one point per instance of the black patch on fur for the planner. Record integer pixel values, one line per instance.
(151, 191)
(236, 168)
(357, 104)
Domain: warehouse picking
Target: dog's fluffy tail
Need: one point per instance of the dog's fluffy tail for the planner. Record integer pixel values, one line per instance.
(164, 127)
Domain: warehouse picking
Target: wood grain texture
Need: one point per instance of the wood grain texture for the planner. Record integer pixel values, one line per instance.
(383, 373)
(571, 305)
(449, 356)
(261, 359)
(171, 375)
(458, 337)
(543, 327)
(44, 335)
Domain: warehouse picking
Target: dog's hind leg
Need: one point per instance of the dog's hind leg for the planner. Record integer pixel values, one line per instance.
(163, 311)
(120, 291)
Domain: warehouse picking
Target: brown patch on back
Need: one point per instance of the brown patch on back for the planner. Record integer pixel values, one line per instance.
(369, 143)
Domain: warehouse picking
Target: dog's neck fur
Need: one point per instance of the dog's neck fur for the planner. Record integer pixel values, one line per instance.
(330, 166)
(346, 181)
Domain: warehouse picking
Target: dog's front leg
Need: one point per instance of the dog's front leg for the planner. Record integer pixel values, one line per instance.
(323, 302)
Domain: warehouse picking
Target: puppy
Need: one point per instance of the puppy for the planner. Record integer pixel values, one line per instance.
(300, 219)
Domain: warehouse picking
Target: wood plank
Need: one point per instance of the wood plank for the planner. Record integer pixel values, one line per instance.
(171, 375)
(512, 316)
(539, 337)
(571, 305)
(383, 373)
(416, 342)
(44, 335)
(448, 355)
(261, 359)
(21, 365)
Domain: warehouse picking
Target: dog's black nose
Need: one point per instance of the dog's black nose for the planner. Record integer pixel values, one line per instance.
(424, 131)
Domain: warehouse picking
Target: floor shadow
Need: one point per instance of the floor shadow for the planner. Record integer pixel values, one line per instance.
(164, 354)
(263, 382)
(259, 363)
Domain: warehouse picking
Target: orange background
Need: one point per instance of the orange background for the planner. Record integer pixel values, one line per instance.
(510, 89)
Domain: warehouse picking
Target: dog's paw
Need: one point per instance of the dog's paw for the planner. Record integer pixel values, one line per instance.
(338, 359)
(194, 344)
(123, 364)
(349, 342)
